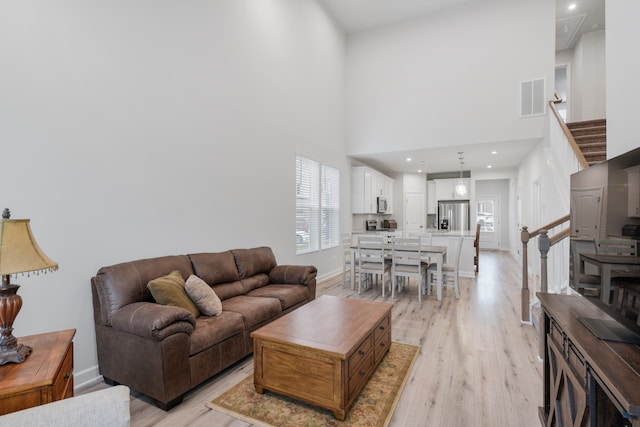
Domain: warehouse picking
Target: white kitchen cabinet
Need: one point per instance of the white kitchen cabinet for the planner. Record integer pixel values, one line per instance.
(366, 186)
(432, 201)
(633, 195)
(446, 188)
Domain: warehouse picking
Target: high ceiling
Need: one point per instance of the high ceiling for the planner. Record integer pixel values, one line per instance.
(361, 15)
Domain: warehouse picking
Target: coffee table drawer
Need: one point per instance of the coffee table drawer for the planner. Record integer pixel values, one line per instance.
(357, 380)
(362, 353)
(382, 328)
(382, 346)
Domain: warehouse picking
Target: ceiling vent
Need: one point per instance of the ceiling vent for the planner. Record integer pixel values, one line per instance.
(532, 98)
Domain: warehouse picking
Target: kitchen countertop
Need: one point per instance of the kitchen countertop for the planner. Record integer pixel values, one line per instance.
(450, 233)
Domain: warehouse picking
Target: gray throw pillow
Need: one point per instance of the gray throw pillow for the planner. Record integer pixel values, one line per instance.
(203, 296)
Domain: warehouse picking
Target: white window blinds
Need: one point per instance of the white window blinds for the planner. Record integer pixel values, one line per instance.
(317, 206)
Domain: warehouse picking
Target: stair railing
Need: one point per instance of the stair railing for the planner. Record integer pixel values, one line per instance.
(567, 133)
(544, 245)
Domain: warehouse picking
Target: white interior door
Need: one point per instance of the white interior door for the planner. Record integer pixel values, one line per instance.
(586, 210)
(414, 209)
(488, 216)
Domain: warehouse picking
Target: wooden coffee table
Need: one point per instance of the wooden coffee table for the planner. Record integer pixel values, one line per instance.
(324, 352)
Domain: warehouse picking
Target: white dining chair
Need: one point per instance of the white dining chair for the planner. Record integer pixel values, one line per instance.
(407, 263)
(582, 281)
(619, 278)
(371, 261)
(346, 259)
(450, 272)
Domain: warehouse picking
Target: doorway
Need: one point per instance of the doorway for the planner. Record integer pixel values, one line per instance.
(488, 216)
(585, 217)
(414, 213)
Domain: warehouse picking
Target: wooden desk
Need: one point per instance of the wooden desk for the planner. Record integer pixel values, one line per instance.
(587, 381)
(45, 376)
(324, 352)
(606, 263)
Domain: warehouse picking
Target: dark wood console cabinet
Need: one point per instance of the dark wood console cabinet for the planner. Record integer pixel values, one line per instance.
(587, 381)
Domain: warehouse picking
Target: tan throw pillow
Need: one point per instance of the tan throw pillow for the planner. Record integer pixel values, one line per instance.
(169, 290)
(203, 296)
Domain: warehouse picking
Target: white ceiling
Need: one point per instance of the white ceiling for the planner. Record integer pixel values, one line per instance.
(360, 15)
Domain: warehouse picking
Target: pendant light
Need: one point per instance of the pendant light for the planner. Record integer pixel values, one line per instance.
(461, 189)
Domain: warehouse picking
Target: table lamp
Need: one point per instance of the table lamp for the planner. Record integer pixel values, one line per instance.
(19, 253)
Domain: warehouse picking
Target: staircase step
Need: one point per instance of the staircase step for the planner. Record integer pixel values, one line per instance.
(594, 130)
(587, 124)
(592, 146)
(589, 139)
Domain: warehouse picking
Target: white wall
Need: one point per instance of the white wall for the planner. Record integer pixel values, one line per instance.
(623, 69)
(449, 78)
(146, 128)
(588, 100)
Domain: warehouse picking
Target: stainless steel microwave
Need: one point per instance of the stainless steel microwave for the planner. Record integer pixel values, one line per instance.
(382, 205)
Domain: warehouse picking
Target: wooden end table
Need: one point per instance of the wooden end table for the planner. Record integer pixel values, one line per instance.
(324, 352)
(45, 376)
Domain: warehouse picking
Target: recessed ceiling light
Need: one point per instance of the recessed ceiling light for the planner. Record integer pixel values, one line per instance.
(419, 170)
(489, 166)
(494, 152)
(572, 6)
(408, 159)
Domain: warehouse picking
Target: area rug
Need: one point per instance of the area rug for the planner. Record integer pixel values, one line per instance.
(374, 406)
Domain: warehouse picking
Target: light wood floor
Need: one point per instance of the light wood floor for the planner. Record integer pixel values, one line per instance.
(478, 365)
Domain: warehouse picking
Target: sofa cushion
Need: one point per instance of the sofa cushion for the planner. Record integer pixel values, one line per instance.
(254, 310)
(288, 295)
(213, 330)
(253, 282)
(169, 290)
(254, 261)
(215, 267)
(203, 296)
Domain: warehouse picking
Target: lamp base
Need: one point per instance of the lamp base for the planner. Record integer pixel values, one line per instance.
(10, 305)
(15, 355)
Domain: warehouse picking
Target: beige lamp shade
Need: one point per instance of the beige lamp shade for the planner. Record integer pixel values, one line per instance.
(19, 251)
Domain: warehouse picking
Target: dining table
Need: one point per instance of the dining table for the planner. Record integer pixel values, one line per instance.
(431, 254)
(607, 264)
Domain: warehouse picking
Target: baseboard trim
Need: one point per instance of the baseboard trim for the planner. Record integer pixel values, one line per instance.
(86, 378)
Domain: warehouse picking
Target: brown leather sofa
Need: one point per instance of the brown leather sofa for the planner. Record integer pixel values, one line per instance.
(164, 351)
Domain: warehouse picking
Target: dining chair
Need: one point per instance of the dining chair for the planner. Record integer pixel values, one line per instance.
(346, 259)
(450, 272)
(618, 247)
(630, 299)
(371, 261)
(582, 281)
(426, 239)
(407, 263)
(476, 245)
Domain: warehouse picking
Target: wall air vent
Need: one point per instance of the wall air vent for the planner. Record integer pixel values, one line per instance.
(532, 98)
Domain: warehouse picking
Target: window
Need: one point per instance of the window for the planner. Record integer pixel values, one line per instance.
(317, 206)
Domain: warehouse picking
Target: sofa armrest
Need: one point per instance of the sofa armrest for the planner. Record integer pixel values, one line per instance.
(293, 274)
(103, 408)
(154, 321)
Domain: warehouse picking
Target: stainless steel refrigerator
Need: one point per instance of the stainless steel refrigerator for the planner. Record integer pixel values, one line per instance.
(453, 215)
